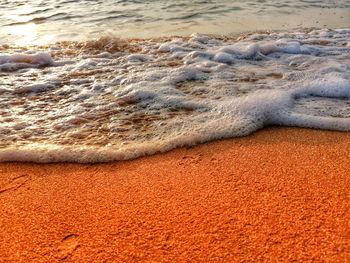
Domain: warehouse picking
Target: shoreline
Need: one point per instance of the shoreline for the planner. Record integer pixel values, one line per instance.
(14, 46)
(279, 194)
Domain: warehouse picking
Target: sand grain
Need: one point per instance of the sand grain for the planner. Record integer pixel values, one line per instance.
(281, 194)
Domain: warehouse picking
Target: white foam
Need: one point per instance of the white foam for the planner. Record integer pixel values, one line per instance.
(34, 88)
(139, 58)
(181, 92)
(17, 61)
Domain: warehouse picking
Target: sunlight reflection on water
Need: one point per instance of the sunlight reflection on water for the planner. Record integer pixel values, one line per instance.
(40, 22)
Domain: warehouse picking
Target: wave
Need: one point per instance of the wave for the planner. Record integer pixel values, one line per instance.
(113, 99)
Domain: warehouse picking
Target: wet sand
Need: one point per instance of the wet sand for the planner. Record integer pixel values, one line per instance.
(281, 194)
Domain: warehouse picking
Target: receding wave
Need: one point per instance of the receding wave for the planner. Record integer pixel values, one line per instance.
(115, 99)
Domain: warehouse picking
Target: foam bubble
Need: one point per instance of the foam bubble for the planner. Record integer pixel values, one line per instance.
(18, 61)
(114, 106)
(34, 88)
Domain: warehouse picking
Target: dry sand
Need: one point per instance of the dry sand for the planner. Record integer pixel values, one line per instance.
(281, 194)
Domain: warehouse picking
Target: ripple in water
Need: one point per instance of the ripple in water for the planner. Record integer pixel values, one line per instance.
(32, 21)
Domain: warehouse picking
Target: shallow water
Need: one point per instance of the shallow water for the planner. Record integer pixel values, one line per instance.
(47, 21)
(68, 95)
(114, 99)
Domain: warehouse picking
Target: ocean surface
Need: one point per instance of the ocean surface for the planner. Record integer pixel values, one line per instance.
(97, 81)
(40, 22)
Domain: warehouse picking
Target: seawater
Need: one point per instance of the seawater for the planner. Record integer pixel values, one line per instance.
(81, 82)
(41, 22)
(113, 99)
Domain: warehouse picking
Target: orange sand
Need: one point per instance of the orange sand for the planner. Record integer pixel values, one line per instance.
(281, 194)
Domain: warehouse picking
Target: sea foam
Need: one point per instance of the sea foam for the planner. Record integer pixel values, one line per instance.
(157, 95)
(14, 62)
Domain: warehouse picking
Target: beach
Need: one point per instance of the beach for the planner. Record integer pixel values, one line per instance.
(186, 131)
(277, 195)
(114, 99)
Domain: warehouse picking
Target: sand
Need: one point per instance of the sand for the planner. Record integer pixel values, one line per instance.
(281, 194)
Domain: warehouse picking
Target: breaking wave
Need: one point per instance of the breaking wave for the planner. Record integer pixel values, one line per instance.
(114, 99)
